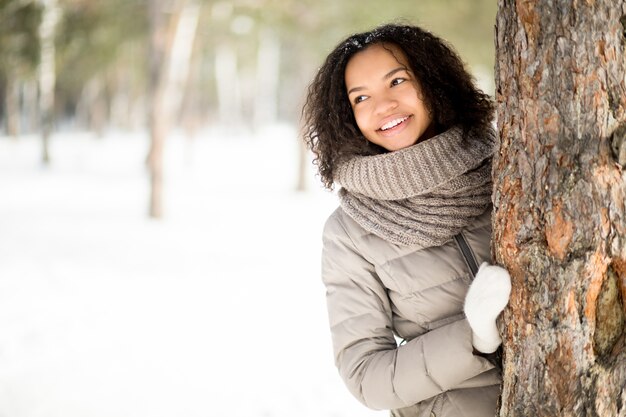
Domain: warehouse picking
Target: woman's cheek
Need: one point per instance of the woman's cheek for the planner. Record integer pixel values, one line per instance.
(361, 124)
(359, 116)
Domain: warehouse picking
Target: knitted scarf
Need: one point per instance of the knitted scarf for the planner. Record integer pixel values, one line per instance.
(421, 195)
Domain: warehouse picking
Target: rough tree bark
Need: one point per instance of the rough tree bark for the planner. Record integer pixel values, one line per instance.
(560, 222)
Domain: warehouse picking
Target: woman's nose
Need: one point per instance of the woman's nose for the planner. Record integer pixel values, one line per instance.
(385, 104)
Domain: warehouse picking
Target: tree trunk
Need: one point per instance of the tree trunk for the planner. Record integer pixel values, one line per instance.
(92, 106)
(303, 166)
(179, 60)
(159, 44)
(171, 45)
(47, 72)
(227, 85)
(307, 62)
(30, 106)
(12, 105)
(267, 78)
(560, 189)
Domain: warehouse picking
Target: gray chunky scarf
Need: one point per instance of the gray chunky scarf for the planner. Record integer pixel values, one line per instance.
(421, 195)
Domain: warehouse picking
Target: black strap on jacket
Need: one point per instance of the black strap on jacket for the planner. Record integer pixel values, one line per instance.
(468, 255)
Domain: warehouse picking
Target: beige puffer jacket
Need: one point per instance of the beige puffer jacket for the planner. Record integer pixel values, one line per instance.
(375, 290)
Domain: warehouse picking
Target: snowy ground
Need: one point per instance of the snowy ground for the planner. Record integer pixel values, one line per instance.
(216, 310)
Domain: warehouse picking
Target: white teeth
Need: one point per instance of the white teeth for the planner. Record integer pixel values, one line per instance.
(393, 123)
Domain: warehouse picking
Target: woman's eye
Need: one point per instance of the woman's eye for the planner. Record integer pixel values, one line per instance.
(397, 81)
(359, 99)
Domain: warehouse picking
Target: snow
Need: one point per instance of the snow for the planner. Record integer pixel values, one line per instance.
(217, 309)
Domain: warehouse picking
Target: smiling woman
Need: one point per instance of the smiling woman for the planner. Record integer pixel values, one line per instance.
(395, 119)
(386, 99)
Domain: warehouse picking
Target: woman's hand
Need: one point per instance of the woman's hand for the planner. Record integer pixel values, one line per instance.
(485, 300)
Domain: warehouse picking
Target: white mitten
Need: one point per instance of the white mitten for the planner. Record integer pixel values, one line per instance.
(485, 300)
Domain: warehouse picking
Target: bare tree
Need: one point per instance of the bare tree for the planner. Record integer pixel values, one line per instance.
(47, 72)
(12, 103)
(560, 222)
(172, 37)
(267, 79)
(19, 57)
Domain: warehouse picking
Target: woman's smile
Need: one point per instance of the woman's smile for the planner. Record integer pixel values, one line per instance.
(395, 126)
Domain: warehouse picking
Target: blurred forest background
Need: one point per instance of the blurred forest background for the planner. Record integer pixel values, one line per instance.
(158, 65)
(187, 110)
(234, 62)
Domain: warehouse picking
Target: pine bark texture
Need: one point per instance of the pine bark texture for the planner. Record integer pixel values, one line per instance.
(560, 221)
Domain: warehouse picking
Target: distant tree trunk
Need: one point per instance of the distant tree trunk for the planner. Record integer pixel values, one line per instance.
(191, 116)
(304, 156)
(92, 106)
(227, 85)
(126, 105)
(12, 103)
(160, 42)
(303, 165)
(560, 190)
(30, 106)
(178, 66)
(47, 72)
(268, 74)
(120, 105)
(170, 52)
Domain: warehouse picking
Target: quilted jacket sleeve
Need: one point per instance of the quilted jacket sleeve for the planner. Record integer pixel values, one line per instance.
(376, 371)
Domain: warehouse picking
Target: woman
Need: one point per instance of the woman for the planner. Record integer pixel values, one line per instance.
(395, 119)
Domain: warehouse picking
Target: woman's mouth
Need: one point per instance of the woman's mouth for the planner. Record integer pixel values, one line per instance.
(393, 126)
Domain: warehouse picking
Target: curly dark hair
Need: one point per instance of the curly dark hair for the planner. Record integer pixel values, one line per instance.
(330, 129)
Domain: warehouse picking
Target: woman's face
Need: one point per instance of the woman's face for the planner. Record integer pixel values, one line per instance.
(386, 99)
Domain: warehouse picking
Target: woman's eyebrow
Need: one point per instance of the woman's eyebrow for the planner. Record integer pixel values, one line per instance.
(386, 76)
(355, 89)
(393, 71)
